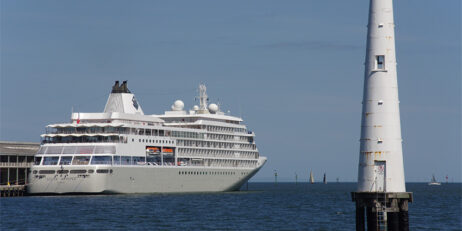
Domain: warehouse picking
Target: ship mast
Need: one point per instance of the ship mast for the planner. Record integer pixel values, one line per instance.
(203, 98)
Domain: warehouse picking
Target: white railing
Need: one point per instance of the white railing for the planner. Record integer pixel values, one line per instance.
(14, 164)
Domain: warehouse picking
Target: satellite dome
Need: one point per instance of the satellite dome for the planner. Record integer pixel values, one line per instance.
(213, 108)
(178, 105)
(195, 108)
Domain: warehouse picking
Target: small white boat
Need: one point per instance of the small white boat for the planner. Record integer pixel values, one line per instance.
(434, 182)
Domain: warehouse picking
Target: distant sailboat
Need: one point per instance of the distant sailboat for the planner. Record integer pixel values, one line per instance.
(324, 179)
(311, 177)
(434, 182)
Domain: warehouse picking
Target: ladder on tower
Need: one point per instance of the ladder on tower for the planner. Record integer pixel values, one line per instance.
(381, 212)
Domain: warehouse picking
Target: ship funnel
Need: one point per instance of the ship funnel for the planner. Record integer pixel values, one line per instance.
(122, 100)
(116, 86)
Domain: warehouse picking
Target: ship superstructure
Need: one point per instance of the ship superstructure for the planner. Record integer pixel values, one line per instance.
(122, 150)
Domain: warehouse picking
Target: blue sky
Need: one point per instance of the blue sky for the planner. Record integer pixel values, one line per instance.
(292, 69)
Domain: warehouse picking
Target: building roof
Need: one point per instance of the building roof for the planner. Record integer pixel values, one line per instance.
(18, 148)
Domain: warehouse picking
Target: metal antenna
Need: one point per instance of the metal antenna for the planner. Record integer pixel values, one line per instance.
(203, 97)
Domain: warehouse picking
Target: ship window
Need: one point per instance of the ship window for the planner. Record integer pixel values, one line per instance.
(79, 171)
(116, 160)
(84, 150)
(101, 160)
(47, 172)
(69, 149)
(139, 160)
(102, 171)
(380, 62)
(42, 150)
(54, 149)
(50, 160)
(125, 160)
(81, 160)
(105, 149)
(37, 160)
(65, 160)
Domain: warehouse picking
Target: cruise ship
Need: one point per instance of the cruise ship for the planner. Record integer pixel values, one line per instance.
(122, 150)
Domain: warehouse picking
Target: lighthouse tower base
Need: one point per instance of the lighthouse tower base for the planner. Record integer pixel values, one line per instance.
(383, 210)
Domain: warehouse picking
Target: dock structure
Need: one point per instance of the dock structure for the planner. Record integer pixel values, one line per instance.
(16, 158)
(381, 197)
(384, 211)
(12, 190)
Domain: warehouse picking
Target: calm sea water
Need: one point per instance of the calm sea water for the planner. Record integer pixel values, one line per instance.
(265, 206)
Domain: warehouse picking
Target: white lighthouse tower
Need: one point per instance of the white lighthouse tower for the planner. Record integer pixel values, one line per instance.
(381, 187)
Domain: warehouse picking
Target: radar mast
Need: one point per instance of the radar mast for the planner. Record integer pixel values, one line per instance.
(203, 98)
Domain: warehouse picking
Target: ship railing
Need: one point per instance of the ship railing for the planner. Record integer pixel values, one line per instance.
(16, 164)
(88, 132)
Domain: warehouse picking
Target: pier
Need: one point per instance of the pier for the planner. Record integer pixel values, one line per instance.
(12, 190)
(16, 158)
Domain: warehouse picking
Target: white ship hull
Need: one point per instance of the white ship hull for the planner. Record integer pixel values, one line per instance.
(140, 179)
(434, 183)
(122, 150)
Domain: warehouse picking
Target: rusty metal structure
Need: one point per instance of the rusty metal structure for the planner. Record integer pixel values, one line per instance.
(381, 195)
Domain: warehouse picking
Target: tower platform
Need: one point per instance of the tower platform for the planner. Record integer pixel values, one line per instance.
(383, 210)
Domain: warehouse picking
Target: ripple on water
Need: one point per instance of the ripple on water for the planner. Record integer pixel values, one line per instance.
(266, 206)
